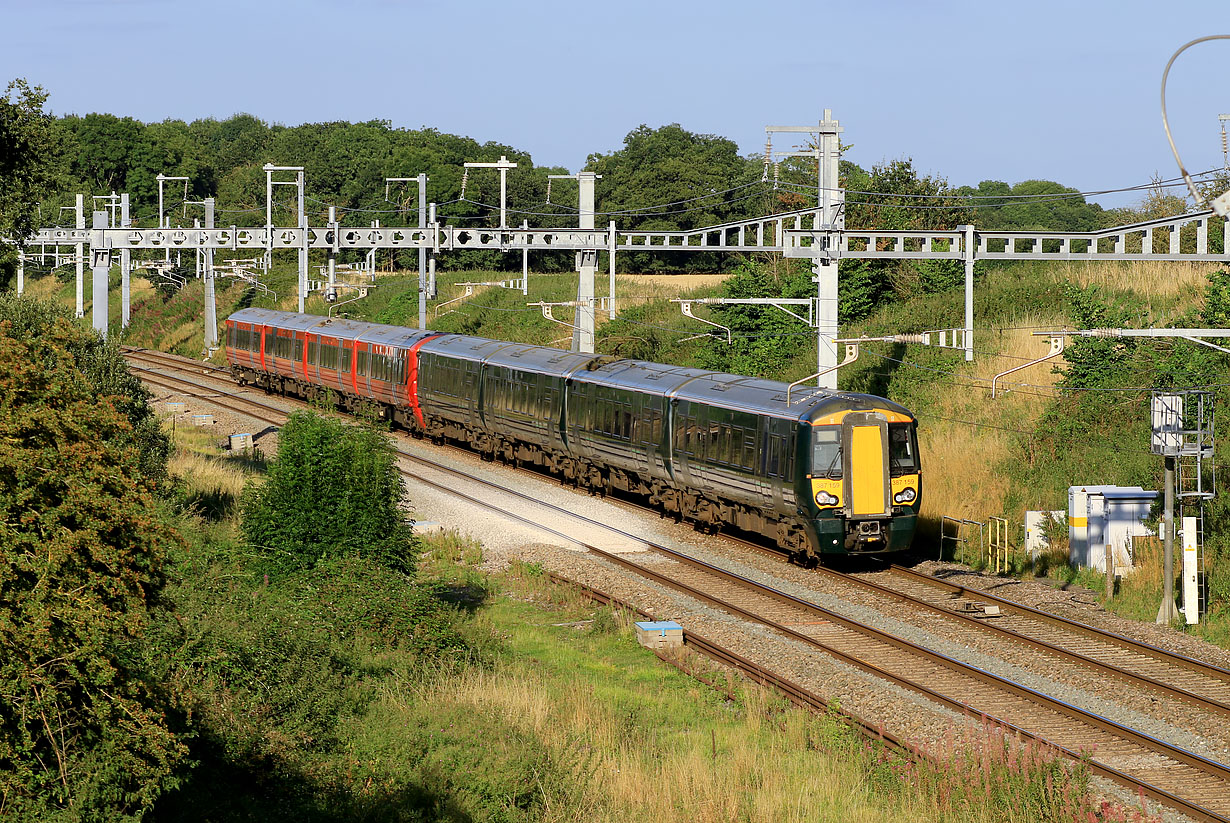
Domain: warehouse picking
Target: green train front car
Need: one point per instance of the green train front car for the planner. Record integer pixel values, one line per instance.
(862, 485)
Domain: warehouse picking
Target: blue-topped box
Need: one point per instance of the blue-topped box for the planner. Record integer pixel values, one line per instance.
(659, 634)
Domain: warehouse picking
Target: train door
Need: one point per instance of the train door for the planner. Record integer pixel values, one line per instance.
(865, 466)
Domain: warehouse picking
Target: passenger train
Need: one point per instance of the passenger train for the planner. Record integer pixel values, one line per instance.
(825, 473)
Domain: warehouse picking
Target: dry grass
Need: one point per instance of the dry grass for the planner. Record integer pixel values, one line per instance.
(631, 778)
(1151, 279)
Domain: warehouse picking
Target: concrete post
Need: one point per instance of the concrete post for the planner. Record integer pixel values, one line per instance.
(100, 268)
(422, 253)
(80, 258)
(125, 268)
(211, 303)
(587, 266)
(21, 272)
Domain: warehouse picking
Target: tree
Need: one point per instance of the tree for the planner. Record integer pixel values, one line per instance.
(29, 158)
(83, 731)
(102, 365)
(670, 165)
(333, 491)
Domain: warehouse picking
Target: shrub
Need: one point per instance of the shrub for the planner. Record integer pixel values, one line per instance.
(333, 491)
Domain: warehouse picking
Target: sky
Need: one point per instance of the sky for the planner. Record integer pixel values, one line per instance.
(970, 91)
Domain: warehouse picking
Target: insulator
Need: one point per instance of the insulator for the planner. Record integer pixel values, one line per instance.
(768, 153)
(465, 178)
(776, 174)
(549, 181)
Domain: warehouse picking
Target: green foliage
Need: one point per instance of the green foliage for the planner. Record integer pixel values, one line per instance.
(103, 366)
(83, 729)
(895, 196)
(672, 165)
(766, 339)
(1053, 207)
(29, 158)
(333, 491)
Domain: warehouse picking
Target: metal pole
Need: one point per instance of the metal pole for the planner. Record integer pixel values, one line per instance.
(21, 272)
(525, 259)
(1167, 613)
(211, 304)
(422, 252)
(503, 192)
(969, 291)
(583, 335)
(611, 259)
(332, 253)
(80, 258)
(303, 248)
(125, 268)
(431, 257)
(826, 267)
(101, 272)
(268, 216)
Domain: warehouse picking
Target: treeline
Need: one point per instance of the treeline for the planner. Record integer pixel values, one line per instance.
(667, 178)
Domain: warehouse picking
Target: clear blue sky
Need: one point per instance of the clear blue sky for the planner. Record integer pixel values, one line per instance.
(970, 90)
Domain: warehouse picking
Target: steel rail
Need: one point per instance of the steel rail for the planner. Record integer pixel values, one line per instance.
(1071, 625)
(984, 625)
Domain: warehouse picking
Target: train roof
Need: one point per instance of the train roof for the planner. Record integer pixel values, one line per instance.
(734, 391)
(339, 327)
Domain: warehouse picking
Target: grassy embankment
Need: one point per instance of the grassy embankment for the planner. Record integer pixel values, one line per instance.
(545, 710)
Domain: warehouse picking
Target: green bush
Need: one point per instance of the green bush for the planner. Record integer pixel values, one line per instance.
(333, 491)
(84, 733)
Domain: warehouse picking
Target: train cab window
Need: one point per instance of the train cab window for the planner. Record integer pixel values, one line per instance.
(902, 449)
(826, 451)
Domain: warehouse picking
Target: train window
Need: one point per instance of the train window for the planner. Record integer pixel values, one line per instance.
(826, 451)
(902, 449)
(773, 457)
(298, 349)
(270, 341)
(313, 352)
(345, 359)
(361, 363)
(328, 356)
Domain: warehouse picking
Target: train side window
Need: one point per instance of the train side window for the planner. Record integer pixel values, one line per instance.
(298, 348)
(345, 354)
(361, 363)
(313, 352)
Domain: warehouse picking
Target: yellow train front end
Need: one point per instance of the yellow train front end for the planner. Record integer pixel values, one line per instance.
(862, 481)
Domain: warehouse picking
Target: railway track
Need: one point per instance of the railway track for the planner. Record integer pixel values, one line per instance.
(1188, 782)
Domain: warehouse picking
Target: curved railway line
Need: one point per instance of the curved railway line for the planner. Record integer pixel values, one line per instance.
(1183, 780)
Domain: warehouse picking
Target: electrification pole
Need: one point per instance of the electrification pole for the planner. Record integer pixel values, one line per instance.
(826, 251)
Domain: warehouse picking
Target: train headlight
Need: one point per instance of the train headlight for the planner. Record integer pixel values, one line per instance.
(823, 498)
(905, 496)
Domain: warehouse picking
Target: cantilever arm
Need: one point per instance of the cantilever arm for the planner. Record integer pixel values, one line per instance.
(1056, 350)
(851, 356)
(686, 305)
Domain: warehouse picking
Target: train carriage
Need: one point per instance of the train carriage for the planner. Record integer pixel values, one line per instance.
(828, 472)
